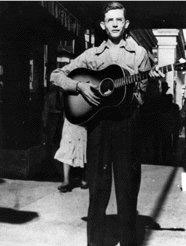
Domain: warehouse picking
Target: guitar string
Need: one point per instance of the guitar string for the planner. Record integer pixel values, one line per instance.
(137, 77)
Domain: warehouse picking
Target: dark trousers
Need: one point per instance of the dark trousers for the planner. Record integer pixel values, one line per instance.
(113, 145)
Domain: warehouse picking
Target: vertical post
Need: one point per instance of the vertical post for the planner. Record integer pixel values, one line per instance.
(167, 43)
(45, 65)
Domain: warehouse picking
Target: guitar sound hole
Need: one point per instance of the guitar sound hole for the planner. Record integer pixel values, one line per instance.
(106, 87)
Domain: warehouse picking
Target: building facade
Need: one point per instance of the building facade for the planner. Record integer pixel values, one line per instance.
(169, 50)
(40, 37)
(31, 33)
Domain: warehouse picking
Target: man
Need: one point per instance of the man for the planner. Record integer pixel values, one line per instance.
(112, 139)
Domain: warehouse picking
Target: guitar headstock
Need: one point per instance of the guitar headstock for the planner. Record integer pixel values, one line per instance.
(181, 65)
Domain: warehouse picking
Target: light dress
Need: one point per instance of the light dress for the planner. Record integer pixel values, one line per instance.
(73, 145)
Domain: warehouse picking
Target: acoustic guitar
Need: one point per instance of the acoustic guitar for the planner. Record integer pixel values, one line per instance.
(114, 86)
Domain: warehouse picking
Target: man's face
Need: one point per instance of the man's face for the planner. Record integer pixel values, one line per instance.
(115, 24)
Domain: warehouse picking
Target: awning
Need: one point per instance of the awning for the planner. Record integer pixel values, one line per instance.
(66, 19)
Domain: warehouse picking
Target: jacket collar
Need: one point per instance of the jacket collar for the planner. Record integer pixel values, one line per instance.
(126, 44)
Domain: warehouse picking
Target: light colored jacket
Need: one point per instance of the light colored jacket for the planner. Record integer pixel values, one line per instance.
(132, 57)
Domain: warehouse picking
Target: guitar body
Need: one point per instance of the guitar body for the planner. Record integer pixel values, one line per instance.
(79, 111)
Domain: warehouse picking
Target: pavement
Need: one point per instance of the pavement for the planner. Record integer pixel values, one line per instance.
(34, 213)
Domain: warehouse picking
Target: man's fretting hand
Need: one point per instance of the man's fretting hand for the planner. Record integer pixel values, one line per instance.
(155, 72)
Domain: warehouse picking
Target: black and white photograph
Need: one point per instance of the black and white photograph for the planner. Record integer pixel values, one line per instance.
(93, 123)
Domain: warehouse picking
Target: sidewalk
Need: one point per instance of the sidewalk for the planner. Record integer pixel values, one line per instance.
(34, 213)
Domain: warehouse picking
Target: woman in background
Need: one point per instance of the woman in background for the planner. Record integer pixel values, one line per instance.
(72, 152)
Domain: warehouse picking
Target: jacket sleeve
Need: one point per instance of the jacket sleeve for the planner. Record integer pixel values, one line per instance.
(59, 77)
(143, 66)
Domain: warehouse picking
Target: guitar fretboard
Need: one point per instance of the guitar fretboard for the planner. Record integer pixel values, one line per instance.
(144, 75)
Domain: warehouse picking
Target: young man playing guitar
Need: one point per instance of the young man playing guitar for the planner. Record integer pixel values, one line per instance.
(113, 140)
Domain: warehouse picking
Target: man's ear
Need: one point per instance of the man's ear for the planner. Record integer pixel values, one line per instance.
(102, 24)
(127, 23)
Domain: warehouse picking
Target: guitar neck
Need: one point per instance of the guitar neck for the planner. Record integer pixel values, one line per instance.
(144, 75)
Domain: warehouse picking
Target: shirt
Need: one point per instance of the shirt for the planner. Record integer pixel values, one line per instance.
(131, 56)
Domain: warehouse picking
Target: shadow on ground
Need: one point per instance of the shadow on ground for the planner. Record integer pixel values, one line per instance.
(2, 181)
(144, 224)
(12, 216)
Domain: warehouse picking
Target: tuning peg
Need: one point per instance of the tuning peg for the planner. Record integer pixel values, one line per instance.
(182, 60)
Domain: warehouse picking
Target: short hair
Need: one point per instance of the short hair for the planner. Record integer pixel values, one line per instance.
(112, 5)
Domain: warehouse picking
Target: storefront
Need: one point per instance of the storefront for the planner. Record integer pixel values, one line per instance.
(29, 40)
(33, 39)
